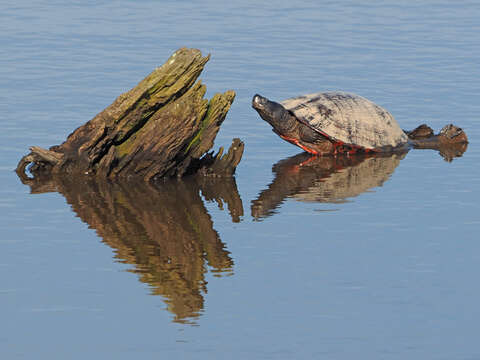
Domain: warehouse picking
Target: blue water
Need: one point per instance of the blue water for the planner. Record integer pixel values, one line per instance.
(376, 261)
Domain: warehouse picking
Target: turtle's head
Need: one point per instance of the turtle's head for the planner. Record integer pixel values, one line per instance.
(275, 114)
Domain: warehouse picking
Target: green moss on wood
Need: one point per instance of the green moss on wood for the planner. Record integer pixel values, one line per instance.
(217, 110)
(161, 127)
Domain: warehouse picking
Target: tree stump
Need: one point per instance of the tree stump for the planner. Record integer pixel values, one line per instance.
(163, 127)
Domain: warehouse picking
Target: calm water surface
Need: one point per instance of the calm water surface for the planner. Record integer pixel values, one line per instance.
(371, 258)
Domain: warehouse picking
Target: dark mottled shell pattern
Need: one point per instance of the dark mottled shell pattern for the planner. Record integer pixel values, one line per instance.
(348, 118)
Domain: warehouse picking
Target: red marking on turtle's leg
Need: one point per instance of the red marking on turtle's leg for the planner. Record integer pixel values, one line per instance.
(341, 147)
(311, 151)
(337, 147)
(296, 142)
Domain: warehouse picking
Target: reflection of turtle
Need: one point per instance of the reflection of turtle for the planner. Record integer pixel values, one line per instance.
(339, 122)
(326, 179)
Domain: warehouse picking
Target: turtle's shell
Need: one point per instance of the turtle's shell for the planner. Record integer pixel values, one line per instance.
(347, 118)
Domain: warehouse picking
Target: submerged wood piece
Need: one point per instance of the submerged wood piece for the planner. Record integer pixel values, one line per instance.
(451, 141)
(163, 127)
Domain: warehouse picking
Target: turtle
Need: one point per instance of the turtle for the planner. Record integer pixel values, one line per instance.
(340, 122)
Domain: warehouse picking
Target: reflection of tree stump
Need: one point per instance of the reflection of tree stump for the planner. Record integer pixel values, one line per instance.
(163, 127)
(163, 230)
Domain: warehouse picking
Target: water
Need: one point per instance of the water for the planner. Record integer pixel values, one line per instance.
(376, 258)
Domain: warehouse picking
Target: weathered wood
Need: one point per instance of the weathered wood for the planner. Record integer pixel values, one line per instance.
(451, 141)
(163, 127)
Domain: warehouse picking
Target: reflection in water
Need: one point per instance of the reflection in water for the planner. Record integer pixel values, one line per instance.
(452, 151)
(163, 230)
(331, 179)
